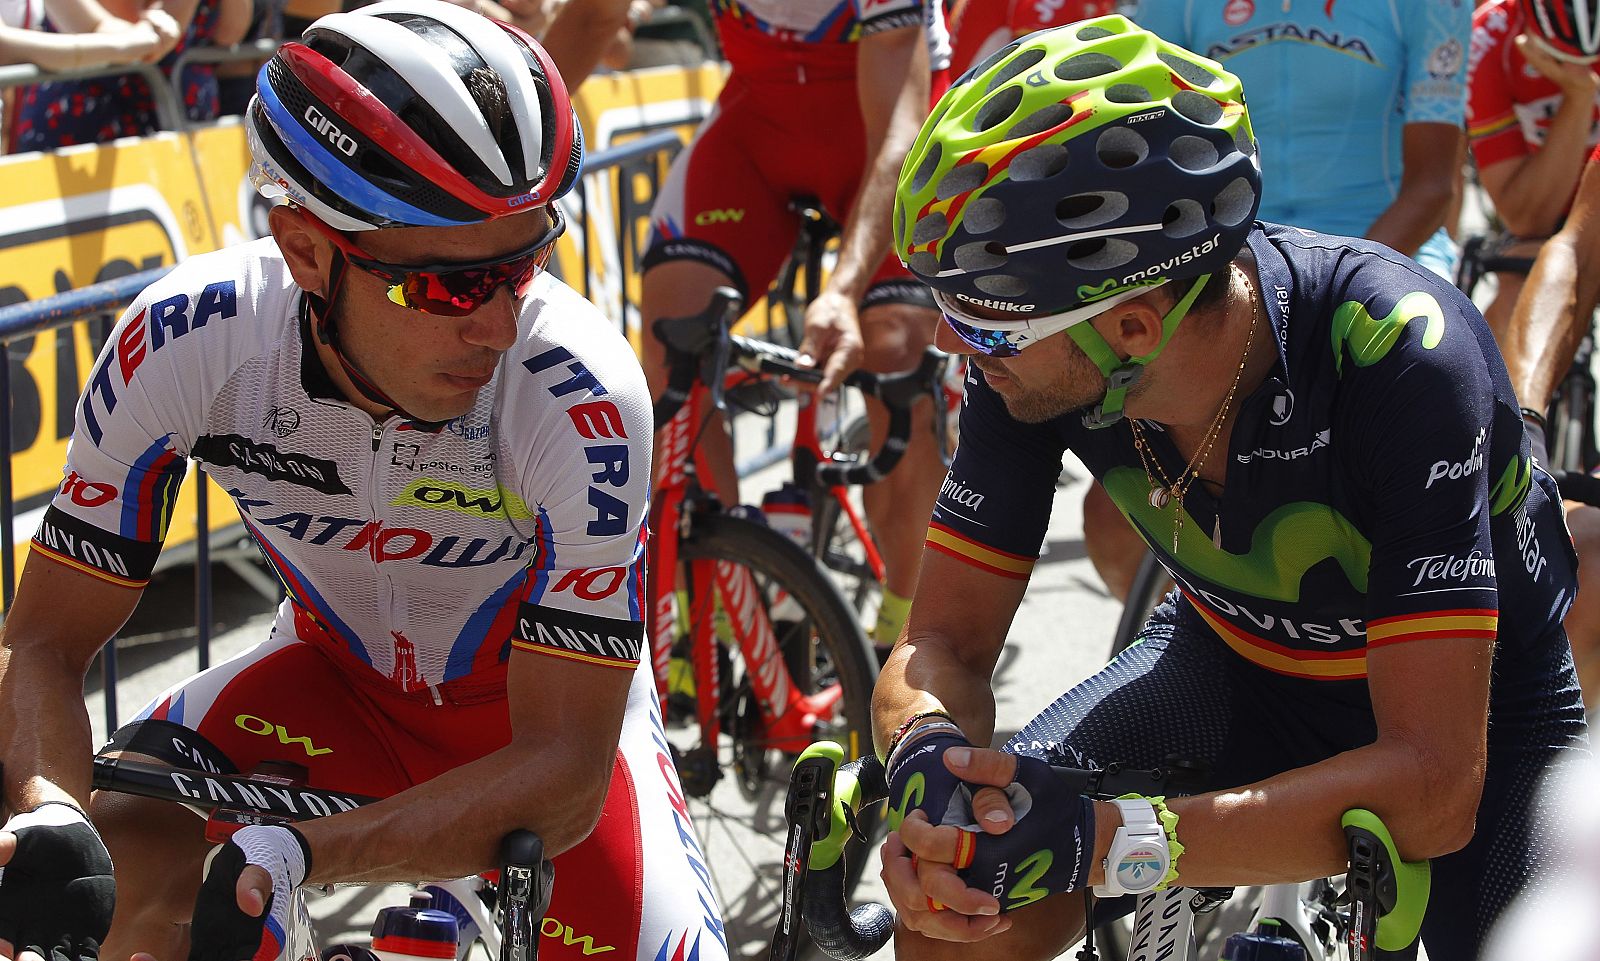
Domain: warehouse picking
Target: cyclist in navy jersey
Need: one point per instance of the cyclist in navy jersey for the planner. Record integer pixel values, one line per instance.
(443, 452)
(1374, 155)
(1318, 439)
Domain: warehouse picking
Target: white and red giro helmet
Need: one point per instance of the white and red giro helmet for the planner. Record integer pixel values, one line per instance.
(371, 119)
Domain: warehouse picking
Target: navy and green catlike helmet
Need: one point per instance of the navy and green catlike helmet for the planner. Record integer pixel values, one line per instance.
(1076, 164)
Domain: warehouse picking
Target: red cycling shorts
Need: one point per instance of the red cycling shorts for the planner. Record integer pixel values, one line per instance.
(286, 700)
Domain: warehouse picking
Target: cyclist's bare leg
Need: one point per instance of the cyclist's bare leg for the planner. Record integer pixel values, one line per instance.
(681, 288)
(1037, 933)
(1114, 547)
(159, 850)
(898, 507)
(1583, 620)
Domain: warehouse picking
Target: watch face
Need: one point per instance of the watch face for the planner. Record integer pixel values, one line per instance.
(1142, 866)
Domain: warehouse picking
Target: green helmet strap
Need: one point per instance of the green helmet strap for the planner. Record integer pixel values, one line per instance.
(1121, 374)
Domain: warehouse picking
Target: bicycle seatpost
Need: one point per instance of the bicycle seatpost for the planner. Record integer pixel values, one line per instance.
(525, 882)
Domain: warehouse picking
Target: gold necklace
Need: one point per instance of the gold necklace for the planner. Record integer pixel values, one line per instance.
(1172, 492)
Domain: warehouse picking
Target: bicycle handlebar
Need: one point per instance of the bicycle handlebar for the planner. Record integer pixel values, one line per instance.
(706, 336)
(525, 873)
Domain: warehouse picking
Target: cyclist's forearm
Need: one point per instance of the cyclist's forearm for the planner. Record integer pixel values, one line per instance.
(928, 674)
(451, 825)
(893, 95)
(1418, 211)
(1546, 327)
(45, 739)
(1536, 196)
(1286, 828)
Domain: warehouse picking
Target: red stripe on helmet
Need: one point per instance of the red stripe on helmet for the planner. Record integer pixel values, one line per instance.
(560, 108)
(358, 105)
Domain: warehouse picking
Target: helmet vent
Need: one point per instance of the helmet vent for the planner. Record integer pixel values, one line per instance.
(1234, 203)
(1088, 33)
(1084, 211)
(1192, 73)
(1039, 121)
(1193, 153)
(1086, 66)
(1243, 141)
(1120, 147)
(1197, 107)
(930, 228)
(983, 215)
(1101, 253)
(923, 263)
(1184, 218)
(994, 58)
(960, 179)
(1001, 285)
(1128, 93)
(997, 109)
(1038, 163)
(930, 163)
(1018, 65)
(980, 256)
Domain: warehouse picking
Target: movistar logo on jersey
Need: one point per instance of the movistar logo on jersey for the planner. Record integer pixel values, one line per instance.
(1155, 272)
(995, 304)
(1368, 339)
(1315, 36)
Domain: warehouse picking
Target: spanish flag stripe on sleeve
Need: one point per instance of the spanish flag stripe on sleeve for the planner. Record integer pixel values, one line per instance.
(1005, 564)
(1474, 622)
(522, 645)
(78, 565)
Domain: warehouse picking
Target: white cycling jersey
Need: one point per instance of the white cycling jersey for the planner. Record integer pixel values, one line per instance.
(424, 556)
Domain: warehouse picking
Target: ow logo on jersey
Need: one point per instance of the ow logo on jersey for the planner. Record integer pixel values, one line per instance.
(149, 331)
(450, 496)
(594, 420)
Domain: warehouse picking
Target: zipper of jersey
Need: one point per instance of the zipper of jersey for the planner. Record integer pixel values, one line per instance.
(382, 580)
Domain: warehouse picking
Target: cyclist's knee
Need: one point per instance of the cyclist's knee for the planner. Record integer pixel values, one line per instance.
(895, 335)
(158, 850)
(1111, 542)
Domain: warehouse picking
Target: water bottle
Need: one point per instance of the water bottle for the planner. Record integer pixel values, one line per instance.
(788, 511)
(1263, 945)
(415, 931)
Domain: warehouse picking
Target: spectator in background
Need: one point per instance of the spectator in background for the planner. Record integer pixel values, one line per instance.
(980, 27)
(1531, 116)
(116, 41)
(99, 109)
(1375, 154)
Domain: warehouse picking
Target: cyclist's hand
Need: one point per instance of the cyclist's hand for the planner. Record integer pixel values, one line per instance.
(1048, 844)
(832, 339)
(928, 896)
(919, 778)
(1574, 79)
(56, 892)
(243, 908)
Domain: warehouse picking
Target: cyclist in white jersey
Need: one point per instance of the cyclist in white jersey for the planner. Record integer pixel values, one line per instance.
(443, 453)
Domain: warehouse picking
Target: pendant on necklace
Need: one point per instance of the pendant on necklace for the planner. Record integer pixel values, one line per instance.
(1159, 497)
(1216, 533)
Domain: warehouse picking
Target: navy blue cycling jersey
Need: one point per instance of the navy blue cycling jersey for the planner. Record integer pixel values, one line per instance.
(1379, 485)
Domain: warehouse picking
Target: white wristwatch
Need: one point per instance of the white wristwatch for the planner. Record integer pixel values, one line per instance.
(1138, 858)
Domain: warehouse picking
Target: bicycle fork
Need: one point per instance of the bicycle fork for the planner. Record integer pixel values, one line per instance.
(788, 715)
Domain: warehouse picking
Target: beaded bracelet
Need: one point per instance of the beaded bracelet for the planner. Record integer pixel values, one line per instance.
(906, 726)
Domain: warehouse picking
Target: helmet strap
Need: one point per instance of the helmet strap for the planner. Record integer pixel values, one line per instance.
(328, 332)
(1121, 374)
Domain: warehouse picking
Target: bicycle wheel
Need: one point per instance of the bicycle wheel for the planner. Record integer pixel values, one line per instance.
(736, 788)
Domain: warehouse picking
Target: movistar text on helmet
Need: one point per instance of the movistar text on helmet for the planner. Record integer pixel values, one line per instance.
(1199, 250)
(995, 304)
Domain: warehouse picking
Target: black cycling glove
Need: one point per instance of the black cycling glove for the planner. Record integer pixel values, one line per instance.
(56, 893)
(223, 932)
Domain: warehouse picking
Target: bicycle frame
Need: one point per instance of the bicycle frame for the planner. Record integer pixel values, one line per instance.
(788, 715)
